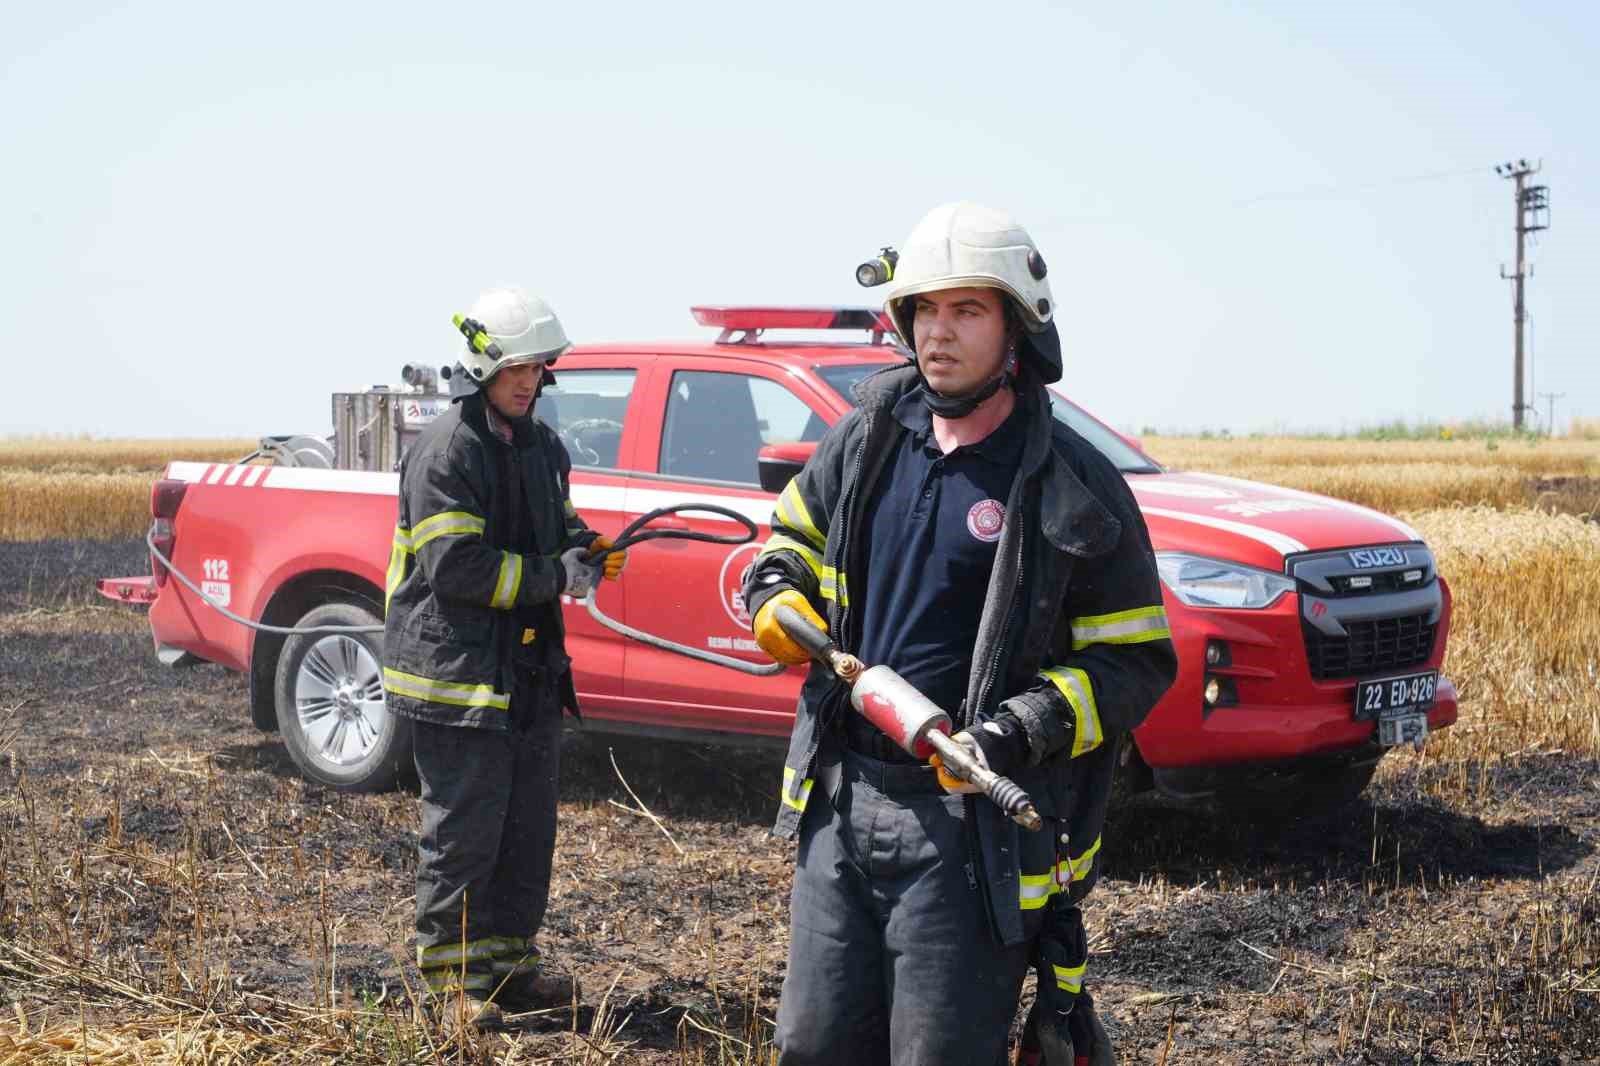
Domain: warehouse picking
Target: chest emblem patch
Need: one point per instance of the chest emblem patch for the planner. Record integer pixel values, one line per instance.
(985, 519)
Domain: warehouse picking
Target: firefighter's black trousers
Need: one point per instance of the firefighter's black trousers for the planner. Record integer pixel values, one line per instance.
(484, 854)
(891, 958)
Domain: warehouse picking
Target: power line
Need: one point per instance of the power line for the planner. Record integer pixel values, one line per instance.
(1314, 193)
(1341, 190)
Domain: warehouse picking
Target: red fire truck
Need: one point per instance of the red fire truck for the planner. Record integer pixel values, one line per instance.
(1310, 631)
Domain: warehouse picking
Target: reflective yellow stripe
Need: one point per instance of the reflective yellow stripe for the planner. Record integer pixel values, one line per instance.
(792, 513)
(397, 566)
(1036, 890)
(515, 955)
(796, 792)
(509, 583)
(452, 693)
(779, 542)
(515, 946)
(830, 581)
(1079, 691)
(1070, 978)
(1124, 627)
(445, 523)
(1076, 869)
(571, 511)
(457, 952)
(834, 586)
(445, 979)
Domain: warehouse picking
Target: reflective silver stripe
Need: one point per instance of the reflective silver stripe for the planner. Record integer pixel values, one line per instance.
(509, 583)
(1124, 627)
(791, 511)
(1079, 692)
(571, 511)
(445, 523)
(1036, 890)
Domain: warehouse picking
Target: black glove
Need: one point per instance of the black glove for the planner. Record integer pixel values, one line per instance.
(1002, 741)
(1043, 729)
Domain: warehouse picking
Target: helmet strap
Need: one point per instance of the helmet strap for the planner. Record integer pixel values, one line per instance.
(962, 406)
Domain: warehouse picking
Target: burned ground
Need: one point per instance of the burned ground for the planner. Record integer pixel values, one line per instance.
(152, 840)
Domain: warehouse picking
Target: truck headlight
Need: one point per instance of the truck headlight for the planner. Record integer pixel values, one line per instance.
(1202, 582)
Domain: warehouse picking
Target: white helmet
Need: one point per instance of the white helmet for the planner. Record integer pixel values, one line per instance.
(507, 327)
(965, 244)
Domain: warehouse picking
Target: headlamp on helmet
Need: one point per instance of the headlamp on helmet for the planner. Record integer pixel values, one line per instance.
(507, 327)
(878, 270)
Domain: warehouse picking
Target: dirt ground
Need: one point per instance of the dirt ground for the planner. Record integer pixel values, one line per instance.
(147, 829)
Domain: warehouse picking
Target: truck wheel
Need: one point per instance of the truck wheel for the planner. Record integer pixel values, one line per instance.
(1312, 795)
(330, 704)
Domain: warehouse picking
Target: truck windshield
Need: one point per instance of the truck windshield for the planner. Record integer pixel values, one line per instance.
(842, 377)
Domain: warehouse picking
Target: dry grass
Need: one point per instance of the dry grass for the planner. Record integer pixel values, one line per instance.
(1525, 649)
(1405, 475)
(1529, 457)
(87, 455)
(84, 506)
(1585, 429)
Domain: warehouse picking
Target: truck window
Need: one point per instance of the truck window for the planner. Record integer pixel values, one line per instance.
(717, 422)
(586, 408)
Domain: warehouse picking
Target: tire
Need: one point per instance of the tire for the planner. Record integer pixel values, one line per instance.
(1311, 795)
(331, 712)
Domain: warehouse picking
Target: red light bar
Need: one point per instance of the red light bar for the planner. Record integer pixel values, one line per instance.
(758, 318)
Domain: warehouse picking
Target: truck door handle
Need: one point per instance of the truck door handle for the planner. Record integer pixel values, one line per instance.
(668, 522)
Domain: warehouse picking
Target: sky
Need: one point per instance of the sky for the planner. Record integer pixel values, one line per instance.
(1258, 216)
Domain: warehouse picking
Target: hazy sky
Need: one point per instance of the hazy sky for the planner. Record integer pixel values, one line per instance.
(1257, 215)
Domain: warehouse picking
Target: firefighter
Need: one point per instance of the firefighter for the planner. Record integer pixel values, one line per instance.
(486, 544)
(952, 530)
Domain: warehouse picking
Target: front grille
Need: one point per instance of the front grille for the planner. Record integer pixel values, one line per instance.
(1371, 647)
(1376, 582)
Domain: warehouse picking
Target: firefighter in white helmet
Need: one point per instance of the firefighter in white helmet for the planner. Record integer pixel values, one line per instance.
(486, 544)
(951, 529)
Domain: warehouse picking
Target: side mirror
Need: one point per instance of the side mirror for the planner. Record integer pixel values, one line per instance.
(779, 463)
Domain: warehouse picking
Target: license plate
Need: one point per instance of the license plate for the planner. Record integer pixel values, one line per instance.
(1402, 729)
(1390, 697)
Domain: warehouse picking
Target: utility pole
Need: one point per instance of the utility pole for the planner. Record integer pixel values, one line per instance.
(1550, 399)
(1532, 215)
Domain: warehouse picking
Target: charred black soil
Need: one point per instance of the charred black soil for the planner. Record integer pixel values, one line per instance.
(146, 827)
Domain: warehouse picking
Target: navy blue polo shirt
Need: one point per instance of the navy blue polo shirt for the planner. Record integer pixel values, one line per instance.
(932, 526)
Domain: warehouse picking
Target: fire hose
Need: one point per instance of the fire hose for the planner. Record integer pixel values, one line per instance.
(885, 698)
(633, 533)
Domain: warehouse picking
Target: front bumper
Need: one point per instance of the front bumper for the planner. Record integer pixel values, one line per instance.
(1280, 713)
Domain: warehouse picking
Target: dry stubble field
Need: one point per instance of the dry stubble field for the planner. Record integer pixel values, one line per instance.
(171, 890)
